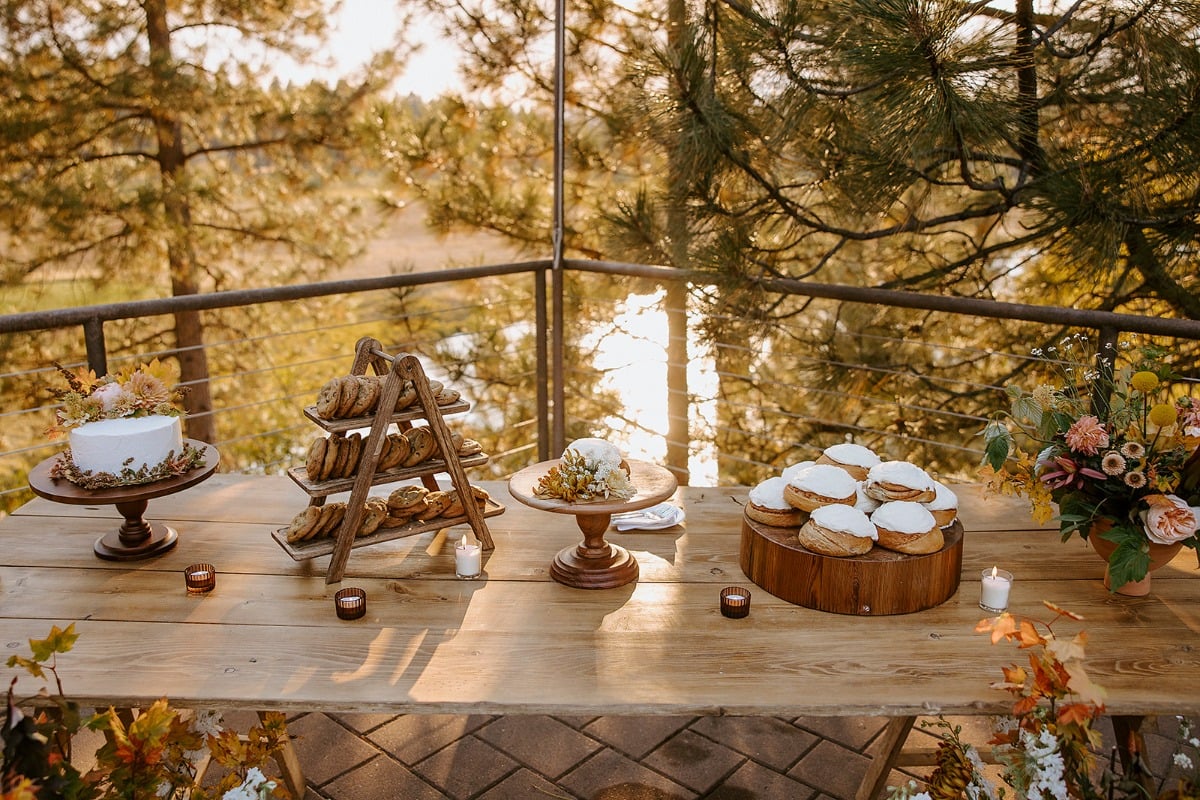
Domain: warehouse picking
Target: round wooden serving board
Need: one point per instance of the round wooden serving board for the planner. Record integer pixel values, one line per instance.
(878, 583)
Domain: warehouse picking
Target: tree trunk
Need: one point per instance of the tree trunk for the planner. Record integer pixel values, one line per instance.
(678, 430)
(189, 329)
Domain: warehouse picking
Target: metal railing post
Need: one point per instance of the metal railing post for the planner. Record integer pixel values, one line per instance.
(543, 382)
(557, 354)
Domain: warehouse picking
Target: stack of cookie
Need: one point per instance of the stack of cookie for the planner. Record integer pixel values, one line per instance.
(358, 396)
(338, 456)
(404, 505)
(318, 522)
(409, 503)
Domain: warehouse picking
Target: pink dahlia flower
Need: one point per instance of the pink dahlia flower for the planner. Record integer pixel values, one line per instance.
(1087, 435)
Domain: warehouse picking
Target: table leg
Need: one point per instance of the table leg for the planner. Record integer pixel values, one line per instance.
(289, 766)
(1131, 747)
(890, 743)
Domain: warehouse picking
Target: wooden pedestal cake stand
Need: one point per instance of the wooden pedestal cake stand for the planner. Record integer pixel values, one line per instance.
(595, 564)
(136, 539)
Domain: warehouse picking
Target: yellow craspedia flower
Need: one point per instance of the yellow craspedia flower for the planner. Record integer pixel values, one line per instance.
(1144, 381)
(1162, 415)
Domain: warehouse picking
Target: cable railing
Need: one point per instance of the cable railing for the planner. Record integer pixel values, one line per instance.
(759, 398)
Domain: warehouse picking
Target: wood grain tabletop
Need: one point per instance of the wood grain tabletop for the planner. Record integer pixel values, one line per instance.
(514, 641)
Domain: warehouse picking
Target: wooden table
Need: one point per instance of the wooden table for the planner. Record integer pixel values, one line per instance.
(517, 642)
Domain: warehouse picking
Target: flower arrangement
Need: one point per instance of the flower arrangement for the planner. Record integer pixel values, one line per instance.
(154, 756)
(135, 392)
(1115, 443)
(1047, 747)
(578, 478)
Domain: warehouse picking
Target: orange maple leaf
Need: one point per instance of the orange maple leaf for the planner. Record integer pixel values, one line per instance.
(1062, 612)
(1001, 627)
(1077, 713)
(1024, 706)
(1028, 635)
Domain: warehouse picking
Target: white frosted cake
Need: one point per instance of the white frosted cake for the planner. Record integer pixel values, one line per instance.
(110, 445)
(597, 451)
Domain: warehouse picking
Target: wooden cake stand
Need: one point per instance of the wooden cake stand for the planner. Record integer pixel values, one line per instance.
(595, 564)
(136, 539)
(878, 583)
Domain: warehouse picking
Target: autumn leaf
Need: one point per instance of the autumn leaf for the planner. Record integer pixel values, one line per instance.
(1001, 627)
(1024, 706)
(1082, 685)
(59, 641)
(29, 665)
(23, 789)
(1015, 674)
(227, 749)
(1028, 635)
(1068, 651)
(1044, 679)
(1062, 612)
(150, 730)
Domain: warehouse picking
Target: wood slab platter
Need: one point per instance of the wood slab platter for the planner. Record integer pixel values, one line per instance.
(877, 583)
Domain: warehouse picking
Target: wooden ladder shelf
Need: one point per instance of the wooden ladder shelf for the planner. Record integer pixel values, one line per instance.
(395, 372)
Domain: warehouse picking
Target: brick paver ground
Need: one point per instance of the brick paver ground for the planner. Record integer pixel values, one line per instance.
(425, 757)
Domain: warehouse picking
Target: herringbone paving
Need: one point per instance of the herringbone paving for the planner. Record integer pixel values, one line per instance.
(430, 757)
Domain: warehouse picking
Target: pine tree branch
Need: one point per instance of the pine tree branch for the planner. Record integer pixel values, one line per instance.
(1143, 257)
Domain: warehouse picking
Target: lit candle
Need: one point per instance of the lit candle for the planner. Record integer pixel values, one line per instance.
(735, 602)
(994, 589)
(200, 578)
(350, 603)
(467, 559)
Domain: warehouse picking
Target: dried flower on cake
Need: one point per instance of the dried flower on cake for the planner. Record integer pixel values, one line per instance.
(135, 392)
(579, 479)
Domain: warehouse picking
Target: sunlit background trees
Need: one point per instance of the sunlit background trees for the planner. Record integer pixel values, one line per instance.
(1038, 152)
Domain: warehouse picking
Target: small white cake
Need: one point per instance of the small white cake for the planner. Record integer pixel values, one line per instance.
(597, 451)
(106, 445)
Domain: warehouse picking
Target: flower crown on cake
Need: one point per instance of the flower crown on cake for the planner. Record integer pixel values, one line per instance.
(140, 391)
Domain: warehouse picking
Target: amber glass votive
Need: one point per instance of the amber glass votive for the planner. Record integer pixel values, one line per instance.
(735, 602)
(350, 603)
(200, 578)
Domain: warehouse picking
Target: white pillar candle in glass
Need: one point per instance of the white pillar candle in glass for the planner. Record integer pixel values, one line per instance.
(994, 588)
(467, 559)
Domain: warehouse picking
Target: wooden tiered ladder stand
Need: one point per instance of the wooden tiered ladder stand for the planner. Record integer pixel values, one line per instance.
(394, 371)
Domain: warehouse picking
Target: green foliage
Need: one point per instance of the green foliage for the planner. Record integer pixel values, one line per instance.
(166, 160)
(1131, 560)
(89, 180)
(942, 147)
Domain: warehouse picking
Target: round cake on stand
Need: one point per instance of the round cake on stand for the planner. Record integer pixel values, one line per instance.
(136, 539)
(596, 563)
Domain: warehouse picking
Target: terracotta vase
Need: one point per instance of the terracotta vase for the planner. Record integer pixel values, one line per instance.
(1160, 555)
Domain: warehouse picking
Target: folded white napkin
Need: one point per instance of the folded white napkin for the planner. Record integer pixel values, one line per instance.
(663, 515)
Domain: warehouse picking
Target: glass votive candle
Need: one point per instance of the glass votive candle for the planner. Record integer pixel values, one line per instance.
(200, 578)
(995, 584)
(350, 603)
(468, 559)
(735, 602)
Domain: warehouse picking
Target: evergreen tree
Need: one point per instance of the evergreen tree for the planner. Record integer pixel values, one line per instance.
(140, 144)
(1049, 155)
